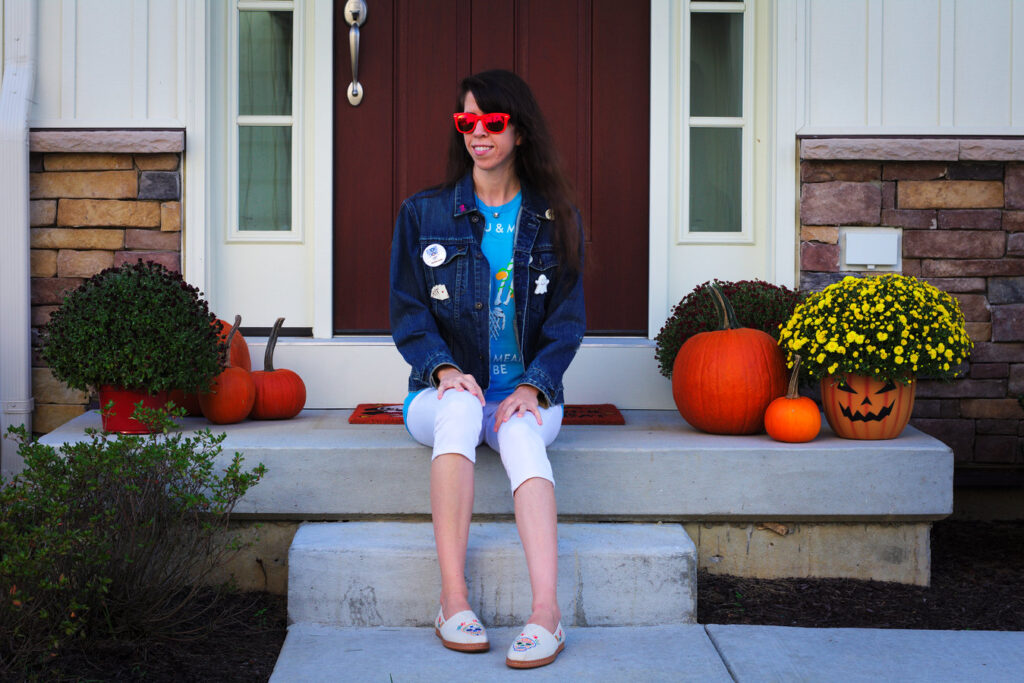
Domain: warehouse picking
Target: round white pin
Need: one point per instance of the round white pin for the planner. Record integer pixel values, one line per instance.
(434, 255)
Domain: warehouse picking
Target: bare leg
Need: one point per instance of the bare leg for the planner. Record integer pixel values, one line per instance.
(537, 521)
(451, 506)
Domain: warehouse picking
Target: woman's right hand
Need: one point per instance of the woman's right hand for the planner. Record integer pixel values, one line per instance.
(449, 377)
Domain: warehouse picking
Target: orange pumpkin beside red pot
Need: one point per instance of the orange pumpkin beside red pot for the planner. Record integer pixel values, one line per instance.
(232, 392)
(861, 407)
(280, 393)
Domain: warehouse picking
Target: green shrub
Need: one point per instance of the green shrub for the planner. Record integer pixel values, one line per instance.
(758, 304)
(110, 537)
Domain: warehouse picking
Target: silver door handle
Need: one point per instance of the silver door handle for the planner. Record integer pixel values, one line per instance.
(355, 16)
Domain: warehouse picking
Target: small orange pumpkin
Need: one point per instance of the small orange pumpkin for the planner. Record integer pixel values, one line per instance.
(280, 394)
(723, 381)
(793, 418)
(232, 392)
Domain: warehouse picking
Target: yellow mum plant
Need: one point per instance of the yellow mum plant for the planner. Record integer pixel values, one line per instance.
(891, 326)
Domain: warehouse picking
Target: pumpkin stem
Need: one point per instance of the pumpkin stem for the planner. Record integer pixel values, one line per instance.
(268, 357)
(726, 315)
(794, 379)
(231, 336)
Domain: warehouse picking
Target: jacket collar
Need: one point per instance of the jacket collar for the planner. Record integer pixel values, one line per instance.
(464, 200)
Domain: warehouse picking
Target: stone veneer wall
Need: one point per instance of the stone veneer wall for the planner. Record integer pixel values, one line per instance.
(960, 203)
(98, 199)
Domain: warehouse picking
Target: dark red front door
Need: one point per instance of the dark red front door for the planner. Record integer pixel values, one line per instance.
(587, 62)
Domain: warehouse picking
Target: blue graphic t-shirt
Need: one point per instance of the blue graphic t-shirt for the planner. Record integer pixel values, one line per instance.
(498, 243)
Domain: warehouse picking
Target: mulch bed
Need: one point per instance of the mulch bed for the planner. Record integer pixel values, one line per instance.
(977, 583)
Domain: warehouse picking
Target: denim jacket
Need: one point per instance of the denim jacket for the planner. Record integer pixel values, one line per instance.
(439, 311)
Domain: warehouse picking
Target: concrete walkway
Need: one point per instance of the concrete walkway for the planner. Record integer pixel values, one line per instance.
(661, 653)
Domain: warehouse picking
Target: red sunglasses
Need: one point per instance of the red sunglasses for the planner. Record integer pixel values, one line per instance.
(465, 122)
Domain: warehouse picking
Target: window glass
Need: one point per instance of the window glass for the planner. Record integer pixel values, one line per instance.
(264, 178)
(716, 178)
(264, 63)
(716, 64)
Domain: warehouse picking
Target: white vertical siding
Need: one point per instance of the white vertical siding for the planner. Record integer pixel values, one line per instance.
(914, 65)
(109, 63)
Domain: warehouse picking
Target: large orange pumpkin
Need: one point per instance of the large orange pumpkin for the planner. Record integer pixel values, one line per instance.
(862, 407)
(232, 392)
(723, 381)
(280, 394)
(239, 357)
(793, 418)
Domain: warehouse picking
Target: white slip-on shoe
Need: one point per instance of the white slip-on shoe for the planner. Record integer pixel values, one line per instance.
(462, 632)
(535, 646)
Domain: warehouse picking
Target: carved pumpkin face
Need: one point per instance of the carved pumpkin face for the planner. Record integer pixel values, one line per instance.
(859, 407)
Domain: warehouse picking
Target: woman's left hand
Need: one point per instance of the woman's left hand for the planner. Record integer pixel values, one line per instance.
(521, 401)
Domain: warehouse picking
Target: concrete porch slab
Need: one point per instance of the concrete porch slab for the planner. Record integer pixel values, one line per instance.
(654, 467)
(597, 655)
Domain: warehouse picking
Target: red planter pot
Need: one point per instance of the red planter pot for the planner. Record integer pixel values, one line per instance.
(119, 419)
(860, 407)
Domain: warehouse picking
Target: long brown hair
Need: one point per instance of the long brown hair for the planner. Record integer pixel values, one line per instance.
(536, 160)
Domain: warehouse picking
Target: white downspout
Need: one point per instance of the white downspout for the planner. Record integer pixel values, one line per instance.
(16, 401)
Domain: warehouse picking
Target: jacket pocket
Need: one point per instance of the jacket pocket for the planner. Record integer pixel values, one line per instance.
(447, 280)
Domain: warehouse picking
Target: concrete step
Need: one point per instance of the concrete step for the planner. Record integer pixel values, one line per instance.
(654, 467)
(385, 574)
(596, 655)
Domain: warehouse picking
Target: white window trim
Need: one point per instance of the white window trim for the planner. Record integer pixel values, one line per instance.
(294, 121)
(745, 123)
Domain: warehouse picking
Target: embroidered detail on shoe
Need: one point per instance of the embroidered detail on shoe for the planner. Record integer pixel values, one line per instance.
(524, 643)
(472, 627)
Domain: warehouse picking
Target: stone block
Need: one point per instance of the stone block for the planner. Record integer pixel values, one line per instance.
(926, 407)
(35, 162)
(819, 233)
(1016, 386)
(43, 262)
(1008, 323)
(41, 315)
(1015, 244)
(87, 162)
(1006, 290)
(960, 388)
(48, 389)
(170, 216)
(912, 267)
(971, 219)
(48, 416)
(840, 203)
(979, 171)
(108, 141)
(900, 218)
(76, 238)
(84, 264)
(154, 240)
(958, 244)
(979, 332)
(957, 434)
(974, 307)
(971, 267)
(51, 290)
(913, 171)
(108, 212)
(959, 284)
(1013, 221)
(990, 370)
(815, 282)
(1013, 182)
(998, 353)
(950, 194)
(157, 162)
(84, 184)
(888, 195)
(997, 427)
(42, 212)
(881, 149)
(819, 257)
(992, 150)
(1000, 448)
(171, 260)
(159, 185)
(992, 408)
(824, 171)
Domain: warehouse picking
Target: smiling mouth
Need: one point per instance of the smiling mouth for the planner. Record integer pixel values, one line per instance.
(866, 417)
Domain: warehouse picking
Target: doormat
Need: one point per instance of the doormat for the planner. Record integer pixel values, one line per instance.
(575, 414)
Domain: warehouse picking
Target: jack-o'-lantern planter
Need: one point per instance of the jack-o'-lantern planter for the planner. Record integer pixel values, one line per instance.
(868, 340)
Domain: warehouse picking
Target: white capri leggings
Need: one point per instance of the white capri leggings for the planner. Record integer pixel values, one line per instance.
(457, 423)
